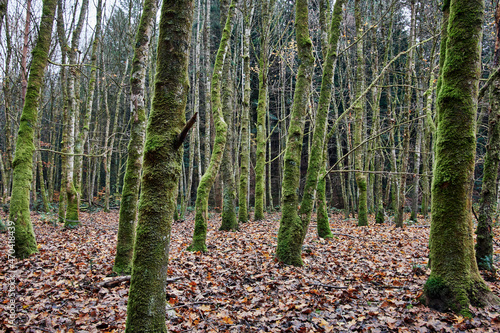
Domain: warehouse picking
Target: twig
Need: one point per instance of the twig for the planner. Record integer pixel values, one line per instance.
(113, 282)
(189, 304)
(329, 286)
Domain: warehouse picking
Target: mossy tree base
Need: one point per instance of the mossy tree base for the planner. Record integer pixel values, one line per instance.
(450, 296)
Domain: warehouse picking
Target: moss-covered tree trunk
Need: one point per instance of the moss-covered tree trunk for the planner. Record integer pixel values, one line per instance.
(484, 245)
(228, 216)
(130, 194)
(162, 169)
(455, 283)
(266, 8)
(25, 242)
(245, 116)
(201, 216)
(359, 112)
(193, 140)
(291, 231)
(61, 34)
(208, 85)
(316, 161)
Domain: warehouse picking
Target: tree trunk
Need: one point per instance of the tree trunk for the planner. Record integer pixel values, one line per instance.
(484, 246)
(405, 153)
(359, 110)
(162, 167)
(229, 220)
(260, 163)
(317, 160)
(208, 107)
(130, 194)
(245, 113)
(455, 282)
(73, 200)
(87, 114)
(206, 182)
(291, 231)
(25, 243)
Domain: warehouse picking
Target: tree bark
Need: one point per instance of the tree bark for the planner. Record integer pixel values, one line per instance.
(73, 200)
(291, 230)
(162, 168)
(25, 242)
(206, 182)
(484, 245)
(87, 114)
(455, 283)
(228, 217)
(316, 161)
(266, 8)
(359, 110)
(245, 113)
(131, 186)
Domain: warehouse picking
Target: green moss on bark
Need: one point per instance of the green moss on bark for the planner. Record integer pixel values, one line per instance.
(207, 180)
(317, 161)
(292, 231)
(229, 218)
(131, 182)
(245, 122)
(454, 267)
(25, 242)
(161, 171)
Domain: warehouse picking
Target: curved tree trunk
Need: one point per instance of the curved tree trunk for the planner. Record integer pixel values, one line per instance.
(206, 182)
(162, 168)
(131, 186)
(25, 243)
(291, 230)
(455, 282)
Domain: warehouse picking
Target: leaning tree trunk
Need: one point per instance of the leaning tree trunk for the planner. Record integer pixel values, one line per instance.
(25, 243)
(455, 283)
(260, 162)
(130, 194)
(162, 168)
(484, 245)
(316, 161)
(291, 230)
(206, 182)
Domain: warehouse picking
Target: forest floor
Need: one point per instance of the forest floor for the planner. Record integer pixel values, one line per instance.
(366, 279)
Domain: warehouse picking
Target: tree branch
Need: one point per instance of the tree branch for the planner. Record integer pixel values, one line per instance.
(183, 134)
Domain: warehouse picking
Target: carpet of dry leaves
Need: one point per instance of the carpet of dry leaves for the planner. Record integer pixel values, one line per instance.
(366, 279)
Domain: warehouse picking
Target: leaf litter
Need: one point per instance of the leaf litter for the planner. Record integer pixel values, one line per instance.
(365, 279)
